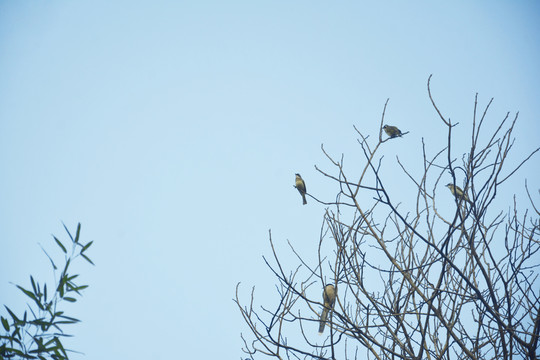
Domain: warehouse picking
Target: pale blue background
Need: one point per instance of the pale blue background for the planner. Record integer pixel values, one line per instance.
(172, 131)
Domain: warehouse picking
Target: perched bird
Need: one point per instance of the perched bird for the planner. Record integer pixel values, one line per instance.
(329, 298)
(457, 192)
(301, 186)
(391, 131)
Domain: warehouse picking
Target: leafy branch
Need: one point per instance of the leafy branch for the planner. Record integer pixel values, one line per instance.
(38, 333)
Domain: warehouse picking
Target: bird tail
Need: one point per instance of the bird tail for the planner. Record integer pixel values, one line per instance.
(465, 198)
(322, 322)
(304, 201)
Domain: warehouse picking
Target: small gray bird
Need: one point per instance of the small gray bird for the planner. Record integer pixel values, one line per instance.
(391, 131)
(301, 186)
(329, 298)
(457, 192)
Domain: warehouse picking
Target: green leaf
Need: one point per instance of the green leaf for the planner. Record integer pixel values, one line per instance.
(68, 262)
(31, 296)
(52, 262)
(78, 233)
(65, 227)
(62, 322)
(70, 299)
(13, 316)
(60, 244)
(39, 342)
(5, 323)
(54, 343)
(19, 352)
(36, 292)
(72, 319)
(79, 288)
(72, 277)
(69, 287)
(87, 259)
(39, 322)
(16, 333)
(61, 347)
(27, 293)
(60, 288)
(63, 279)
(86, 246)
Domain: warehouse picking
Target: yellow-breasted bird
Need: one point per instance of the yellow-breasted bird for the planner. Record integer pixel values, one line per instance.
(457, 192)
(301, 186)
(391, 131)
(329, 298)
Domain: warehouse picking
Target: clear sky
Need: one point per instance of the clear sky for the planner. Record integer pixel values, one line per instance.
(172, 131)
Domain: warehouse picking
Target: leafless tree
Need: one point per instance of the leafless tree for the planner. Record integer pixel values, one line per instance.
(463, 286)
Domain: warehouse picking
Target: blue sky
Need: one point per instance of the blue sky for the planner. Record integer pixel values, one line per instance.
(172, 131)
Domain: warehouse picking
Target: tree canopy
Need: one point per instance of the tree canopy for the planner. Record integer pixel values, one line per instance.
(412, 282)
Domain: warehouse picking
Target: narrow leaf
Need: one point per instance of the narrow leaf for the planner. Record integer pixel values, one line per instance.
(86, 246)
(63, 322)
(60, 244)
(17, 352)
(31, 296)
(65, 227)
(13, 316)
(52, 262)
(27, 293)
(5, 323)
(36, 292)
(69, 318)
(87, 259)
(59, 343)
(78, 233)
(79, 288)
(60, 288)
(72, 277)
(17, 333)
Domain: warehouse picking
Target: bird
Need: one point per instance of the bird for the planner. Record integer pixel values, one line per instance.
(391, 131)
(457, 192)
(329, 298)
(301, 186)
